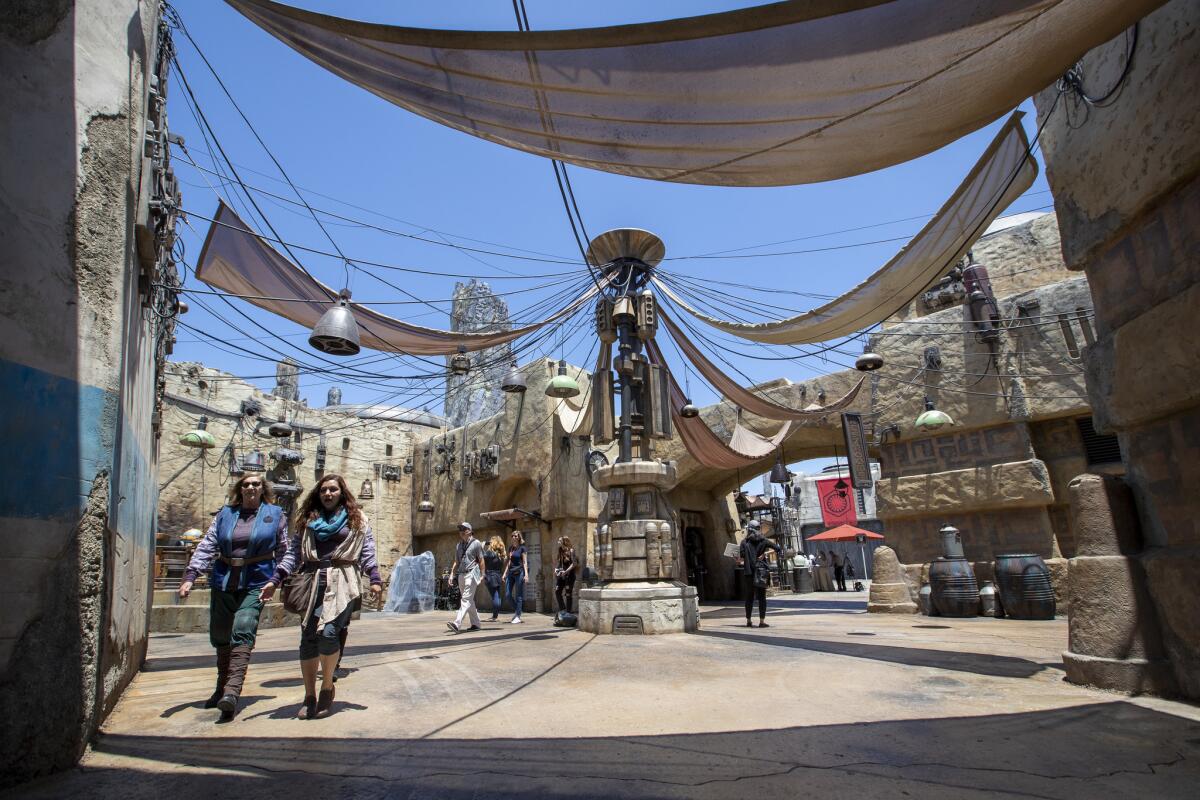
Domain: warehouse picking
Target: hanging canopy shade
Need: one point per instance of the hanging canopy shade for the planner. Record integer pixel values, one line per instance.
(784, 93)
(1003, 172)
(844, 533)
(238, 261)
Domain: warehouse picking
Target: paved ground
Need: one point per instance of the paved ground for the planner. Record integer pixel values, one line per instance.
(827, 701)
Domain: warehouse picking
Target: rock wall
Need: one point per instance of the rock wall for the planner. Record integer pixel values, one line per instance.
(1124, 178)
(477, 394)
(78, 357)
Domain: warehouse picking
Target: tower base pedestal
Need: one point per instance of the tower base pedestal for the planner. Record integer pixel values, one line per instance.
(649, 607)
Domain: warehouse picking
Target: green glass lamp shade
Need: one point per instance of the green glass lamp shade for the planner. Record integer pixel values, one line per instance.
(931, 419)
(562, 385)
(198, 438)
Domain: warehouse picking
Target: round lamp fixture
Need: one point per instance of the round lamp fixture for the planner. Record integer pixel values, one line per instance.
(336, 332)
(868, 362)
(562, 385)
(514, 381)
(199, 437)
(254, 461)
(426, 505)
(280, 430)
(779, 472)
(460, 362)
(689, 411)
(931, 419)
(367, 491)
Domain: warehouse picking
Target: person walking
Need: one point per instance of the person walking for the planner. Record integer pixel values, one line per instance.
(516, 574)
(839, 569)
(331, 548)
(468, 571)
(493, 567)
(565, 570)
(242, 545)
(756, 570)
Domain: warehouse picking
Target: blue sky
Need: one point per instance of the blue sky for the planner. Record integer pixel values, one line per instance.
(362, 158)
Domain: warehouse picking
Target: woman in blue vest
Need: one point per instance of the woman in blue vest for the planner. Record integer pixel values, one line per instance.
(241, 546)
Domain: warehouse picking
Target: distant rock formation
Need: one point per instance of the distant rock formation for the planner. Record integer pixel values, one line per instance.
(476, 395)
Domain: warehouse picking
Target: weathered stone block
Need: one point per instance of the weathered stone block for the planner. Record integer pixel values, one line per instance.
(1174, 583)
(1103, 516)
(1015, 484)
(659, 474)
(1112, 615)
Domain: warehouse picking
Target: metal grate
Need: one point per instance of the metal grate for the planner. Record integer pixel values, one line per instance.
(627, 624)
(1101, 448)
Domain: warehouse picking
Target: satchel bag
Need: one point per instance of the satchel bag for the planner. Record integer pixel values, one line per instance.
(762, 574)
(296, 589)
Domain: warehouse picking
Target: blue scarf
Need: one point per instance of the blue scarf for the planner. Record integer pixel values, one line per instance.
(324, 528)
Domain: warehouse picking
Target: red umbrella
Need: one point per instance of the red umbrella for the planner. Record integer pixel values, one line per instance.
(844, 533)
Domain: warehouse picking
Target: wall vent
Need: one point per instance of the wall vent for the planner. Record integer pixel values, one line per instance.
(1101, 448)
(627, 624)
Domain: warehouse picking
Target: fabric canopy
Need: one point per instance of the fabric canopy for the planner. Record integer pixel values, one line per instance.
(1000, 176)
(843, 533)
(743, 397)
(745, 446)
(236, 260)
(785, 93)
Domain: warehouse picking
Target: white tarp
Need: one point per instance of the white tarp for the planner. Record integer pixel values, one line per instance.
(411, 590)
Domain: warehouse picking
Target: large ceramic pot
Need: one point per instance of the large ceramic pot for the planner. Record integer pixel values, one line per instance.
(1024, 588)
(954, 593)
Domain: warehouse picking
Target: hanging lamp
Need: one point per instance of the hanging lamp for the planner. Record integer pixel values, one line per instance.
(779, 472)
(868, 362)
(254, 461)
(367, 491)
(199, 436)
(931, 419)
(426, 505)
(562, 385)
(280, 429)
(514, 381)
(689, 411)
(460, 362)
(336, 332)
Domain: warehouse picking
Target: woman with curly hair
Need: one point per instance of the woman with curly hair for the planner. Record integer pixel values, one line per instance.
(516, 574)
(493, 561)
(241, 547)
(330, 550)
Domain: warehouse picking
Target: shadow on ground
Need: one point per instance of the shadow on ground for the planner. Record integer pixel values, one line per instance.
(1099, 750)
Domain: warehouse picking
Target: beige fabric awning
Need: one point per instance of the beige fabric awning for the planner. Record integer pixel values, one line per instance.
(784, 93)
(739, 395)
(236, 260)
(1003, 172)
(745, 446)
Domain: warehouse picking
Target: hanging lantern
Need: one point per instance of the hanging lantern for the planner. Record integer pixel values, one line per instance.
(779, 472)
(931, 419)
(336, 332)
(562, 385)
(254, 461)
(689, 411)
(201, 438)
(514, 381)
(868, 362)
(426, 505)
(408, 466)
(367, 491)
(460, 362)
(280, 429)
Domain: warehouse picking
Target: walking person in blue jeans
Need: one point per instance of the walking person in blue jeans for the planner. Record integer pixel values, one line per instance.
(516, 574)
(493, 563)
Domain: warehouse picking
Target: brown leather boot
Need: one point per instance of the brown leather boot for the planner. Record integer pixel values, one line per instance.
(239, 660)
(222, 676)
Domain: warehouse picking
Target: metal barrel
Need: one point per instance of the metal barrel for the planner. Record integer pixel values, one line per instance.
(954, 591)
(1023, 584)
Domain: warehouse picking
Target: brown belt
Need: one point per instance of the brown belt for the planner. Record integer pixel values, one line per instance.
(242, 562)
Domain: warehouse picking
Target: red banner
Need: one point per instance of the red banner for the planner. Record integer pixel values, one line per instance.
(837, 503)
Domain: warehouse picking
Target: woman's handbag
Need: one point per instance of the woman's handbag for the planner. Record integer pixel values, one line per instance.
(762, 573)
(296, 590)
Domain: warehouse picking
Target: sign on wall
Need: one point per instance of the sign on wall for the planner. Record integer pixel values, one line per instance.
(837, 502)
(856, 451)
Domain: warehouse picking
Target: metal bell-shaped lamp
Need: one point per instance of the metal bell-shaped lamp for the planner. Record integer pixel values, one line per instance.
(779, 472)
(689, 410)
(562, 385)
(280, 429)
(199, 437)
(460, 362)
(336, 332)
(426, 505)
(514, 381)
(931, 419)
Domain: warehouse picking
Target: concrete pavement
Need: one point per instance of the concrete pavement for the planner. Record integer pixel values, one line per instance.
(827, 700)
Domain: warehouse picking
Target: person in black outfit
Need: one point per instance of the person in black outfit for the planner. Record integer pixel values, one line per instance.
(839, 570)
(752, 557)
(564, 574)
